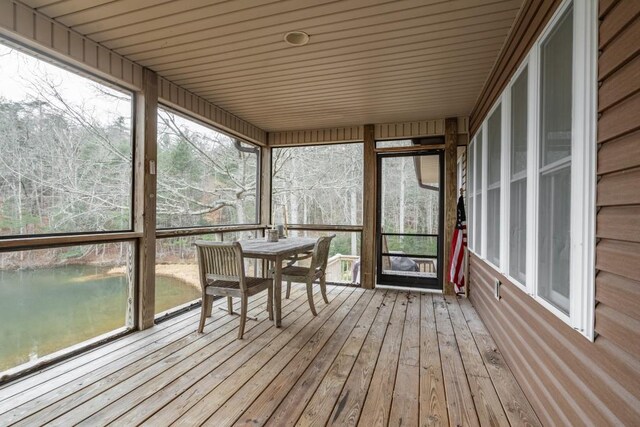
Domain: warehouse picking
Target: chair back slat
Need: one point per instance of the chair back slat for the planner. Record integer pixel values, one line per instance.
(220, 261)
(321, 253)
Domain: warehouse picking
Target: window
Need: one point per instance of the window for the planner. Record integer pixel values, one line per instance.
(494, 140)
(319, 184)
(548, 165)
(478, 191)
(470, 193)
(205, 177)
(66, 167)
(554, 194)
(66, 163)
(56, 298)
(518, 179)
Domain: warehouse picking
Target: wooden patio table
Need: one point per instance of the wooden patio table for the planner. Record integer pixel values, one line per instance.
(276, 253)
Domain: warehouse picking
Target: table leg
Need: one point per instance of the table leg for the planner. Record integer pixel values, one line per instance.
(277, 291)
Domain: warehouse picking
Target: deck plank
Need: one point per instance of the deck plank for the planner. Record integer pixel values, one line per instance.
(184, 364)
(370, 357)
(517, 406)
(487, 403)
(304, 369)
(377, 405)
(228, 413)
(460, 406)
(405, 406)
(196, 404)
(216, 381)
(348, 406)
(293, 310)
(92, 378)
(433, 406)
(300, 393)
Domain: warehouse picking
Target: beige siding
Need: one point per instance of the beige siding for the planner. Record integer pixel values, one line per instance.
(317, 136)
(26, 26)
(181, 99)
(569, 380)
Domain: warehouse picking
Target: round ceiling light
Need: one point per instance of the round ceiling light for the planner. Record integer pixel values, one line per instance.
(296, 38)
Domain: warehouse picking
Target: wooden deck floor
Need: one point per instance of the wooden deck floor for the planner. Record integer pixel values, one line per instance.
(368, 358)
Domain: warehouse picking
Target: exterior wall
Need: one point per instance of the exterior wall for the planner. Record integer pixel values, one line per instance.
(568, 379)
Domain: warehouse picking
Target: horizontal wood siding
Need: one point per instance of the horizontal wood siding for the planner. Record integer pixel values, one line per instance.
(568, 379)
(409, 129)
(529, 23)
(29, 27)
(317, 136)
(181, 99)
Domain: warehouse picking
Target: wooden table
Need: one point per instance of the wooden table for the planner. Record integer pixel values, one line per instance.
(277, 252)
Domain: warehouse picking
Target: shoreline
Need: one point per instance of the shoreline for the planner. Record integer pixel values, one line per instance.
(187, 273)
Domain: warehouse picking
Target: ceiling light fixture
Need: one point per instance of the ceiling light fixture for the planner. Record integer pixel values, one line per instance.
(296, 38)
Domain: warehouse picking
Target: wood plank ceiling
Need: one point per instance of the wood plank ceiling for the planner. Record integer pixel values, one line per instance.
(368, 61)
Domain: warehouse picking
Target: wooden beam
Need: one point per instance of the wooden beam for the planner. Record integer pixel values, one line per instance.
(146, 157)
(265, 186)
(450, 192)
(368, 250)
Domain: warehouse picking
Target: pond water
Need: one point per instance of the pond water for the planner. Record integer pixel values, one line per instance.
(46, 310)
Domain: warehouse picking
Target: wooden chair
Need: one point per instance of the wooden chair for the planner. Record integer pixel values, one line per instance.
(222, 274)
(315, 271)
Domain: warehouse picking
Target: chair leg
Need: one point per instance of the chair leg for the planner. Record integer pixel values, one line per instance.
(323, 288)
(206, 302)
(243, 315)
(207, 305)
(310, 297)
(230, 305)
(270, 302)
(288, 289)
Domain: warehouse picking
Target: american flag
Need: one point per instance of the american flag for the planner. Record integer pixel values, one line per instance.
(458, 243)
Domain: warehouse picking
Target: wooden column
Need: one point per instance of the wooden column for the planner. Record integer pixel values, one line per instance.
(145, 195)
(265, 186)
(368, 250)
(450, 194)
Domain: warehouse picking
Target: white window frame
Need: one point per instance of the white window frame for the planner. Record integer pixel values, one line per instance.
(469, 196)
(485, 181)
(583, 170)
(507, 173)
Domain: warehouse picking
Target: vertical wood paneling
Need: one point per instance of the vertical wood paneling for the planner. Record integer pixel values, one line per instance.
(591, 382)
(316, 136)
(416, 129)
(28, 26)
(183, 100)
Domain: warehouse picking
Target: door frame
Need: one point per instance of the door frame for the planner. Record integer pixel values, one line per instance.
(408, 281)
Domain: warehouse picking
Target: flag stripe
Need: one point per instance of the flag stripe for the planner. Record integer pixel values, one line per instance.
(458, 243)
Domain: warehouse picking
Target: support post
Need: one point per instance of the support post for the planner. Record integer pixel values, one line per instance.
(368, 250)
(146, 158)
(450, 195)
(265, 186)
